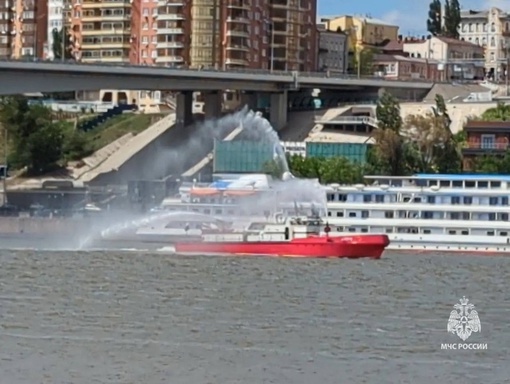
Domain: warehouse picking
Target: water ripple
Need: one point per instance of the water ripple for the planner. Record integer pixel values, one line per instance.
(118, 317)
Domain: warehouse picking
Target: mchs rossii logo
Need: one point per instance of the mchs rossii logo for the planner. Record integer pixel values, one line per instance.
(463, 322)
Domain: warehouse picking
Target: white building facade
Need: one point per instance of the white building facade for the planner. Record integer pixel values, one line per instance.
(55, 19)
(489, 29)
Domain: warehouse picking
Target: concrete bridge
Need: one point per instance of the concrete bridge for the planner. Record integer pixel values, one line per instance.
(31, 76)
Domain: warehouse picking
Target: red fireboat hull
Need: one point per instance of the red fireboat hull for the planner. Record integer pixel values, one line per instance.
(356, 246)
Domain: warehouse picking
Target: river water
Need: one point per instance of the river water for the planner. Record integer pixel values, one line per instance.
(132, 317)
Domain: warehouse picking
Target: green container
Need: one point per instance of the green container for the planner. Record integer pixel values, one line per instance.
(353, 152)
(241, 156)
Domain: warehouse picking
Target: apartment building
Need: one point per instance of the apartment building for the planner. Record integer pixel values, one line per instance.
(489, 29)
(23, 28)
(144, 26)
(101, 30)
(457, 59)
(400, 67)
(333, 50)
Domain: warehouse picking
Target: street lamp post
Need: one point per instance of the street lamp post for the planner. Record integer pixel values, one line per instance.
(5, 165)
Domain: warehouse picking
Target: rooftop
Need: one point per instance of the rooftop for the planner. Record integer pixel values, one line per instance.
(364, 19)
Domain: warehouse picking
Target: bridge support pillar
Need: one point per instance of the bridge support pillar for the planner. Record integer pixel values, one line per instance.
(184, 108)
(278, 110)
(249, 99)
(212, 104)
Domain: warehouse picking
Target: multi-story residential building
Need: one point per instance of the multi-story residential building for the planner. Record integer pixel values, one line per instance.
(145, 17)
(101, 30)
(333, 50)
(401, 67)
(491, 30)
(484, 138)
(457, 59)
(23, 28)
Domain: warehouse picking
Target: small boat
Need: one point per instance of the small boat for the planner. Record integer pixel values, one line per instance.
(293, 237)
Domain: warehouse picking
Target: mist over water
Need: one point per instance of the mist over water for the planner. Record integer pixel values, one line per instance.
(198, 141)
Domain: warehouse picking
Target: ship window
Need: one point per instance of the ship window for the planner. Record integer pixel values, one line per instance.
(339, 229)
(402, 214)
(468, 200)
(503, 216)
(454, 215)
(495, 184)
(492, 216)
(504, 201)
(444, 183)
(483, 184)
(342, 197)
(388, 214)
(217, 211)
(402, 230)
(457, 183)
(470, 184)
(364, 230)
(364, 214)
(426, 231)
(331, 197)
(367, 198)
(379, 198)
(351, 229)
(428, 215)
(455, 200)
(207, 211)
(389, 230)
(493, 201)
(340, 214)
(490, 233)
(465, 232)
(352, 214)
(452, 232)
(465, 215)
(502, 233)
(329, 213)
(431, 199)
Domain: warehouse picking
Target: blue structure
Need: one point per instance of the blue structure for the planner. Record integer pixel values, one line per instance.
(103, 117)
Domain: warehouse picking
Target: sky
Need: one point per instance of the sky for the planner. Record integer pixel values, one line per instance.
(410, 15)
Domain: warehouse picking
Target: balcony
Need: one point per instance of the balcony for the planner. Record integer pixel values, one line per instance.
(101, 32)
(240, 20)
(105, 18)
(239, 32)
(170, 31)
(237, 62)
(239, 4)
(170, 3)
(480, 148)
(169, 59)
(169, 44)
(105, 46)
(104, 4)
(237, 47)
(170, 16)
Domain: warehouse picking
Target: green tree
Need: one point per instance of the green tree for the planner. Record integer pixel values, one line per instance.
(390, 151)
(499, 113)
(434, 20)
(493, 163)
(57, 44)
(365, 59)
(451, 18)
(37, 141)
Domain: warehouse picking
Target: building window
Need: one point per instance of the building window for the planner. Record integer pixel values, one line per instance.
(493, 42)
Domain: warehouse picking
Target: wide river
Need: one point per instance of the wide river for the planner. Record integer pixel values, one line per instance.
(132, 317)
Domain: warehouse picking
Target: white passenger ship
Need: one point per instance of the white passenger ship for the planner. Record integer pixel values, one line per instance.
(465, 213)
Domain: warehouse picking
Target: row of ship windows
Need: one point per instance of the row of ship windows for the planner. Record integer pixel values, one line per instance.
(423, 231)
(424, 215)
(467, 200)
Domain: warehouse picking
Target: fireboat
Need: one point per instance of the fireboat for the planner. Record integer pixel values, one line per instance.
(288, 237)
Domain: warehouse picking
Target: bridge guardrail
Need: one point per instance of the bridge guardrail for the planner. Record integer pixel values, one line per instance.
(290, 74)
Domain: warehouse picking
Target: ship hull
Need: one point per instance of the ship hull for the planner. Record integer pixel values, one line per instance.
(371, 246)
